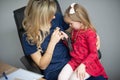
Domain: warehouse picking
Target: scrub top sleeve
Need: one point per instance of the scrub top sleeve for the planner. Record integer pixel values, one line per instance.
(28, 49)
(62, 24)
(65, 26)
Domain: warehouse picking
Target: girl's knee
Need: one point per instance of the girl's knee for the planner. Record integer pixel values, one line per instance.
(62, 77)
(59, 77)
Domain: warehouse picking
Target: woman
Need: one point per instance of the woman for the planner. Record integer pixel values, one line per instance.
(42, 40)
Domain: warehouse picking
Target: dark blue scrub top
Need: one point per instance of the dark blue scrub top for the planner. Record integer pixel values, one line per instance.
(60, 54)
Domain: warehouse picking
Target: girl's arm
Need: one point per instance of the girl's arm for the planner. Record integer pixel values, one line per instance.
(80, 71)
(93, 52)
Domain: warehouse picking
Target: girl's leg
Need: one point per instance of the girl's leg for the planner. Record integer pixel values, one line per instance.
(65, 73)
(74, 76)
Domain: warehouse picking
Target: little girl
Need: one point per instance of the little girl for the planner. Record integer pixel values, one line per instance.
(84, 62)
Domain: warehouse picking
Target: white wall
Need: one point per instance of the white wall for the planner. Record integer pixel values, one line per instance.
(104, 15)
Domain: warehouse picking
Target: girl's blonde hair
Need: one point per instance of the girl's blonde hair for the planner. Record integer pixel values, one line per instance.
(78, 14)
(37, 21)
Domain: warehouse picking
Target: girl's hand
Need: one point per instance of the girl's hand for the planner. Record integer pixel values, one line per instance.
(64, 35)
(80, 71)
(56, 36)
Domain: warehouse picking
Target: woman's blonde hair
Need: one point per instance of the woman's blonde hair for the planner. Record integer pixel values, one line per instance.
(78, 14)
(37, 21)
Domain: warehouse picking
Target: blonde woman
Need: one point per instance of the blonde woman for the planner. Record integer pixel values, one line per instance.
(42, 39)
(84, 63)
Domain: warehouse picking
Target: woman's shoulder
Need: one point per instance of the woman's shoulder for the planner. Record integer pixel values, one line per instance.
(58, 14)
(58, 18)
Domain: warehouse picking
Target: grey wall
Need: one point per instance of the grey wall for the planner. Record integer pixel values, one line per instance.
(103, 13)
(10, 47)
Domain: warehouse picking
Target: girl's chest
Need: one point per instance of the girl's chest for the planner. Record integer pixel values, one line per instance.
(79, 40)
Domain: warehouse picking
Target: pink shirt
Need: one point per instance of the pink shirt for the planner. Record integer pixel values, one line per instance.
(85, 51)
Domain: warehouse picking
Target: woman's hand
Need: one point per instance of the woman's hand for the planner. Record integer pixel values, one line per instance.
(56, 36)
(80, 71)
(64, 35)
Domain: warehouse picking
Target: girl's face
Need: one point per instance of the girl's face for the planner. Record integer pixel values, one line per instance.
(75, 25)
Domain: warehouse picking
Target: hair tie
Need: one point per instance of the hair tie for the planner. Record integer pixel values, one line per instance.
(72, 11)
